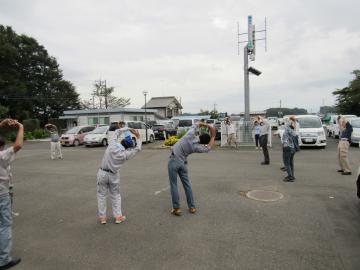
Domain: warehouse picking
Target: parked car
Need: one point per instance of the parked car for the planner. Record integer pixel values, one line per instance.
(358, 183)
(97, 137)
(355, 136)
(273, 122)
(163, 131)
(75, 136)
(311, 131)
(140, 126)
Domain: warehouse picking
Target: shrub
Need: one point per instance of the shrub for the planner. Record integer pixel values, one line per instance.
(171, 140)
(31, 124)
(40, 133)
(28, 136)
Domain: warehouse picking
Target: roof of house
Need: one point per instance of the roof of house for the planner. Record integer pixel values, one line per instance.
(111, 111)
(161, 102)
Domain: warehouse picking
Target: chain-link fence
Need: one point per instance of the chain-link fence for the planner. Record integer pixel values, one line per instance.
(245, 134)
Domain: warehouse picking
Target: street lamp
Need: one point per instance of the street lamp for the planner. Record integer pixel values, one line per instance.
(146, 131)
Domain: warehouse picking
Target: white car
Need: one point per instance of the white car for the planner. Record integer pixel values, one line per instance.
(355, 136)
(311, 131)
(97, 137)
(140, 126)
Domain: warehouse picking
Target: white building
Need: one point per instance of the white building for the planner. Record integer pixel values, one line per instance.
(106, 116)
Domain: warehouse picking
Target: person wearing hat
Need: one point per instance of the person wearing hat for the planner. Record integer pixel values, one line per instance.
(108, 177)
(177, 164)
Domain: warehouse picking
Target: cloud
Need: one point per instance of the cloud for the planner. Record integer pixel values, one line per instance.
(189, 48)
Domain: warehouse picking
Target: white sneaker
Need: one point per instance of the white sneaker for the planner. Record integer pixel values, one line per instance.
(119, 219)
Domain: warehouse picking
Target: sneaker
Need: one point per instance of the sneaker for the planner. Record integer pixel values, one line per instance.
(265, 163)
(10, 264)
(176, 212)
(346, 173)
(192, 210)
(103, 220)
(289, 179)
(283, 169)
(340, 170)
(119, 219)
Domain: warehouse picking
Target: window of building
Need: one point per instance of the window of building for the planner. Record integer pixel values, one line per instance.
(98, 120)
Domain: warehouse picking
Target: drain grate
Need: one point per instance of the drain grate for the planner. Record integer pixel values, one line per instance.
(262, 195)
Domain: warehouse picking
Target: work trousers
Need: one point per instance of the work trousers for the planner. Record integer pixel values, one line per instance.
(257, 136)
(263, 145)
(343, 155)
(55, 150)
(108, 182)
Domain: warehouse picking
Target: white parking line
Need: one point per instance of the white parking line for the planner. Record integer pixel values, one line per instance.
(161, 190)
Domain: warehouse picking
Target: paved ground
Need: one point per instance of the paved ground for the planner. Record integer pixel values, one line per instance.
(315, 226)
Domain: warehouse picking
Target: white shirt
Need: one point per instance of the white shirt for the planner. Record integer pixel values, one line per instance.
(7, 156)
(230, 129)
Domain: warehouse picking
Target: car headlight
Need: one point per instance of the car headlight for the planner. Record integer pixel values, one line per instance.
(320, 133)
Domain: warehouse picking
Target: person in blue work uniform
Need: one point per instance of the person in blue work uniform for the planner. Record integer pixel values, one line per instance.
(108, 177)
(177, 164)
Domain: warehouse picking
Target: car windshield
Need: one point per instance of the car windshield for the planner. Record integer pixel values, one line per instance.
(310, 122)
(355, 123)
(157, 126)
(74, 130)
(99, 130)
(185, 123)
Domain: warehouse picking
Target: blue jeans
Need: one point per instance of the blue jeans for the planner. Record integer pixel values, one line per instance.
(178, 167)
(288, 156)
(5, 229)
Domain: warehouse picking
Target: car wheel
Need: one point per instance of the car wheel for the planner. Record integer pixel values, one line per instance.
(152, 138)
(104, 142)
(76, 143)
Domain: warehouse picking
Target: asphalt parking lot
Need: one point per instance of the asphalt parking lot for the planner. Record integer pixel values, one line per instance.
(315, 226)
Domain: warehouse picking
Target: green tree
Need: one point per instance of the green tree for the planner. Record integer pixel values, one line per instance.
(348, 98)
(3, 111)
(31, 82)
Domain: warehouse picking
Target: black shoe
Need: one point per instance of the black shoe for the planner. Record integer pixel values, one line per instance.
(289, 179)
(10, 264)
(283, 169)
(346, 173)
(340, 170)
(265, 163)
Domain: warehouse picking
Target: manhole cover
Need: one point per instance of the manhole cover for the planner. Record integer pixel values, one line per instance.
(264, 195)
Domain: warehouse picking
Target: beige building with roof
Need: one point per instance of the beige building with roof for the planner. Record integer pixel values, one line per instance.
(167, 107)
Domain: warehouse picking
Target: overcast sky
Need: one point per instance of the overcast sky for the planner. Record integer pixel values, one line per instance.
(188, 49)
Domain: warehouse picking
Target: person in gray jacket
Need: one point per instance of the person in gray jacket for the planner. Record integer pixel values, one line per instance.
(7, 156)
(289, 149)
(177, 164)
(108, 177)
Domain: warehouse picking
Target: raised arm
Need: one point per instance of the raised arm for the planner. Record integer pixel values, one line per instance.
(212, 133)
(20, 135)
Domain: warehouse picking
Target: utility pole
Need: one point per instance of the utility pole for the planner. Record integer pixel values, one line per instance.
(105, 95)
(249, 52)
(280, 103)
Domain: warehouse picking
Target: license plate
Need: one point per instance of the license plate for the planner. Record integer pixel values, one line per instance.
(155, 131)
(308, 140)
